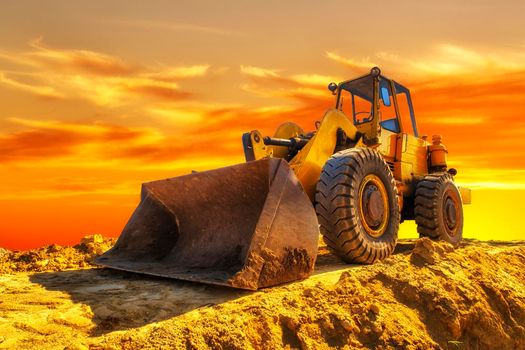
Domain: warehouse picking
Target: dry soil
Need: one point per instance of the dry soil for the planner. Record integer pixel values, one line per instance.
(426, 296)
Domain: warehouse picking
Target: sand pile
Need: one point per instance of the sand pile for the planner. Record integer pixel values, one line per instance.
(55, 257)
(426, 296)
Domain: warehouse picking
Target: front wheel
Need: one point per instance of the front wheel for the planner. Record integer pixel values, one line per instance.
(357, 206)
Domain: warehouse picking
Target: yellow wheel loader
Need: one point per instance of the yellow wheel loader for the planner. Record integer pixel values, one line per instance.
(362, 171)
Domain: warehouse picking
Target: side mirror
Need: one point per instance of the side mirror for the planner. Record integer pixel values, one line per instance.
(332, 87)
(385, 96)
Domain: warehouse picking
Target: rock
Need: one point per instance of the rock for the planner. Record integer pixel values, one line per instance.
(429, 252)
(42, 263)
(290, 323)
(61, 261)
(4, 252)
(308, 292)
(54, 248)
(103, 312)
(349, 326)
(374, 308)
(96, 239)
(376, 328)
(357, 299)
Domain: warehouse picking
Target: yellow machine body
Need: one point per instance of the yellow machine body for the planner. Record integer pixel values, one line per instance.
(308, 163)
(408, 156)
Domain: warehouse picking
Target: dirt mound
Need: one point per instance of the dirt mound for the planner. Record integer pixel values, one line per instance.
(55, 257)
(426, 296)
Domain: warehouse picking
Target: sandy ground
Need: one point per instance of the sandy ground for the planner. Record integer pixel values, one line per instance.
(426, 296)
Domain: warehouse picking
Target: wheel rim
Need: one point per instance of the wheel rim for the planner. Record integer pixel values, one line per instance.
(451, 212)
(374, 209)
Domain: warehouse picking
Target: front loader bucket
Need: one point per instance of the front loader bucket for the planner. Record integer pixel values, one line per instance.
(246, 226)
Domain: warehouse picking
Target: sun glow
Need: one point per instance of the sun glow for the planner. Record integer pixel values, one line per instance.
(134, 99)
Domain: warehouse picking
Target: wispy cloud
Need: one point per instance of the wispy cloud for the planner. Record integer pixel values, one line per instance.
(79, 60)
(60, 187)
(171, 26)
(314, 79)
(103, 79)
(443, 60)
(155, 88)
(273, 83)
(44, 139)
(39, 90)
(277, 75)
(455, 60)
(179, 73)
(353, 64)
(259, 72)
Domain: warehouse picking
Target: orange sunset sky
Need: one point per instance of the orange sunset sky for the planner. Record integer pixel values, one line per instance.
(97, 97)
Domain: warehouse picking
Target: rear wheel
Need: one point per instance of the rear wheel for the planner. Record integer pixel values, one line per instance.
(357, 207)
(439, 209)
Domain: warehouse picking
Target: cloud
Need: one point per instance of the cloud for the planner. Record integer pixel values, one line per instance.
(102, 79)
(80, 60)
(18, 59)
(355, 65)
(314, 79)
(179, 116)
(230, 122)
(299, 80)
(155, 88)
(173, 26)
(271, 83)
(119, 91)
(39, 90)
(60, 187)
(94, 130)
(259, 72)
(455, 60)
(438, 61)
(179, 73)
(94, 145)
(51, 139)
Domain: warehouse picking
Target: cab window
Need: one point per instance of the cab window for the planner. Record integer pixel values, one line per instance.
(355, 106)
(387, 110)
(405, 110)
(356, 99)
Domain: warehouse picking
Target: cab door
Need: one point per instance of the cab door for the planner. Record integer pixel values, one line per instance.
(411, 151)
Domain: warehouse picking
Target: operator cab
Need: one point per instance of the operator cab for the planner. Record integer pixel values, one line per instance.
(373, 95)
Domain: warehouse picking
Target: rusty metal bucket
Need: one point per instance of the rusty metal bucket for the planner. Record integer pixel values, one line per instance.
(246, 226)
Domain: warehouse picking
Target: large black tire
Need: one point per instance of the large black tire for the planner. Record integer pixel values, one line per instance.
(347, 184)
(438, 208)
